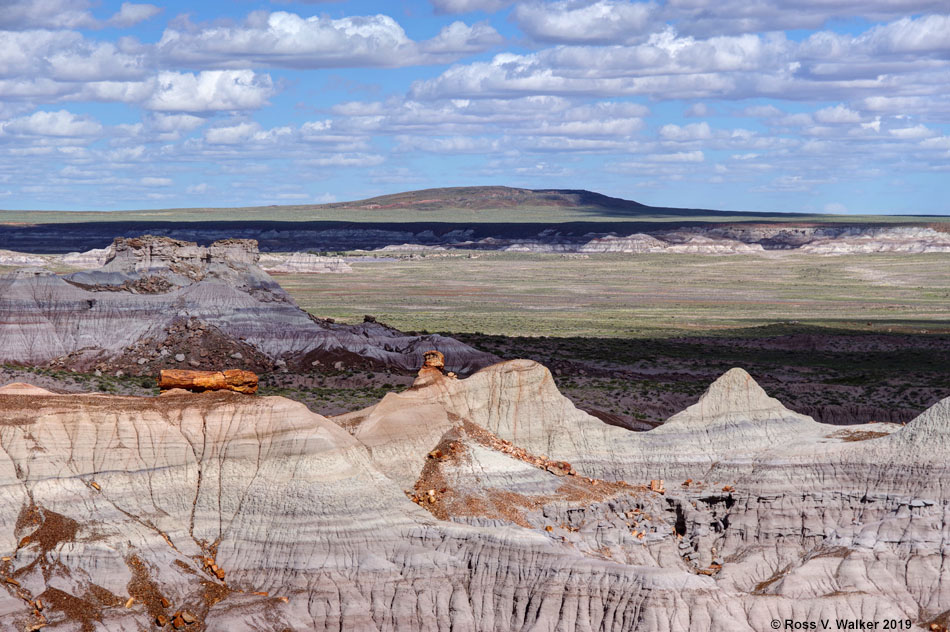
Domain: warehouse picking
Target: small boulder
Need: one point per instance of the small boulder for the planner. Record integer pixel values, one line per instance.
(433, 360)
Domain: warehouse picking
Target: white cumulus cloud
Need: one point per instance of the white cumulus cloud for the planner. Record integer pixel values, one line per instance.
(16, 14)
(692, 131)
(744, 16)
(346, 160)
(64, 56)
(915, 132)
(284, 39)
(60, 123)
(130, 14)
(680, 156)
(210, 90)
(837, 114)
(582, 21)
(232, 134)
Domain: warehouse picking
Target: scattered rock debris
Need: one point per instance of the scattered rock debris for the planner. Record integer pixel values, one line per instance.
(712, 570)
(211, 566)
(857, 435)
(493, 441)
(433, 492)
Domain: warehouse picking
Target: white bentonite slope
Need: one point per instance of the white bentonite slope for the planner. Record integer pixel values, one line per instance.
(253, 513)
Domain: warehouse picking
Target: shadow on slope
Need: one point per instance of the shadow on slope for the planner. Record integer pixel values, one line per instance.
(837, 376)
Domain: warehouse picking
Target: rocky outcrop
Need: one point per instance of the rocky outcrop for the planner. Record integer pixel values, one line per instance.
(94, 258)
(635, 243)
(303, 263)
(21, 259)
(902, 240)
(703, 245)
(200, 381)
(286, 262)
(411, 248)
(156, 299)
(755, 239)
(142, 256)
(481, 503)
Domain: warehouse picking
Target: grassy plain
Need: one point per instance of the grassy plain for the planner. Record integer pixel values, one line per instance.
(634, 296)
(636, 338)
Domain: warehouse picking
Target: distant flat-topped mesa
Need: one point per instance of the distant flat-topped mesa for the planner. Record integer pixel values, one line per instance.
(481, 503)
(482, 217)
(163, 303)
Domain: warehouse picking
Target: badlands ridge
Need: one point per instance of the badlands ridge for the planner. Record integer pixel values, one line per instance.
(484, 503)
(156, 302)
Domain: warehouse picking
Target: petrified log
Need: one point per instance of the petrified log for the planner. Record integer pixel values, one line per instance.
(198, 381)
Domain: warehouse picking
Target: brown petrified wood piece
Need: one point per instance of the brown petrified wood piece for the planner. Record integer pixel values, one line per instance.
(231, 380)
(434, 359)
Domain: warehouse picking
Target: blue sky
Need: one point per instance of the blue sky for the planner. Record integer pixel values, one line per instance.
(771, 105)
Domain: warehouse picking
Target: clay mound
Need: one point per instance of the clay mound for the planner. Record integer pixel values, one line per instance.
(733, 423)
(735, 397)
(516, 400)
(21, 388)
(928, 435)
